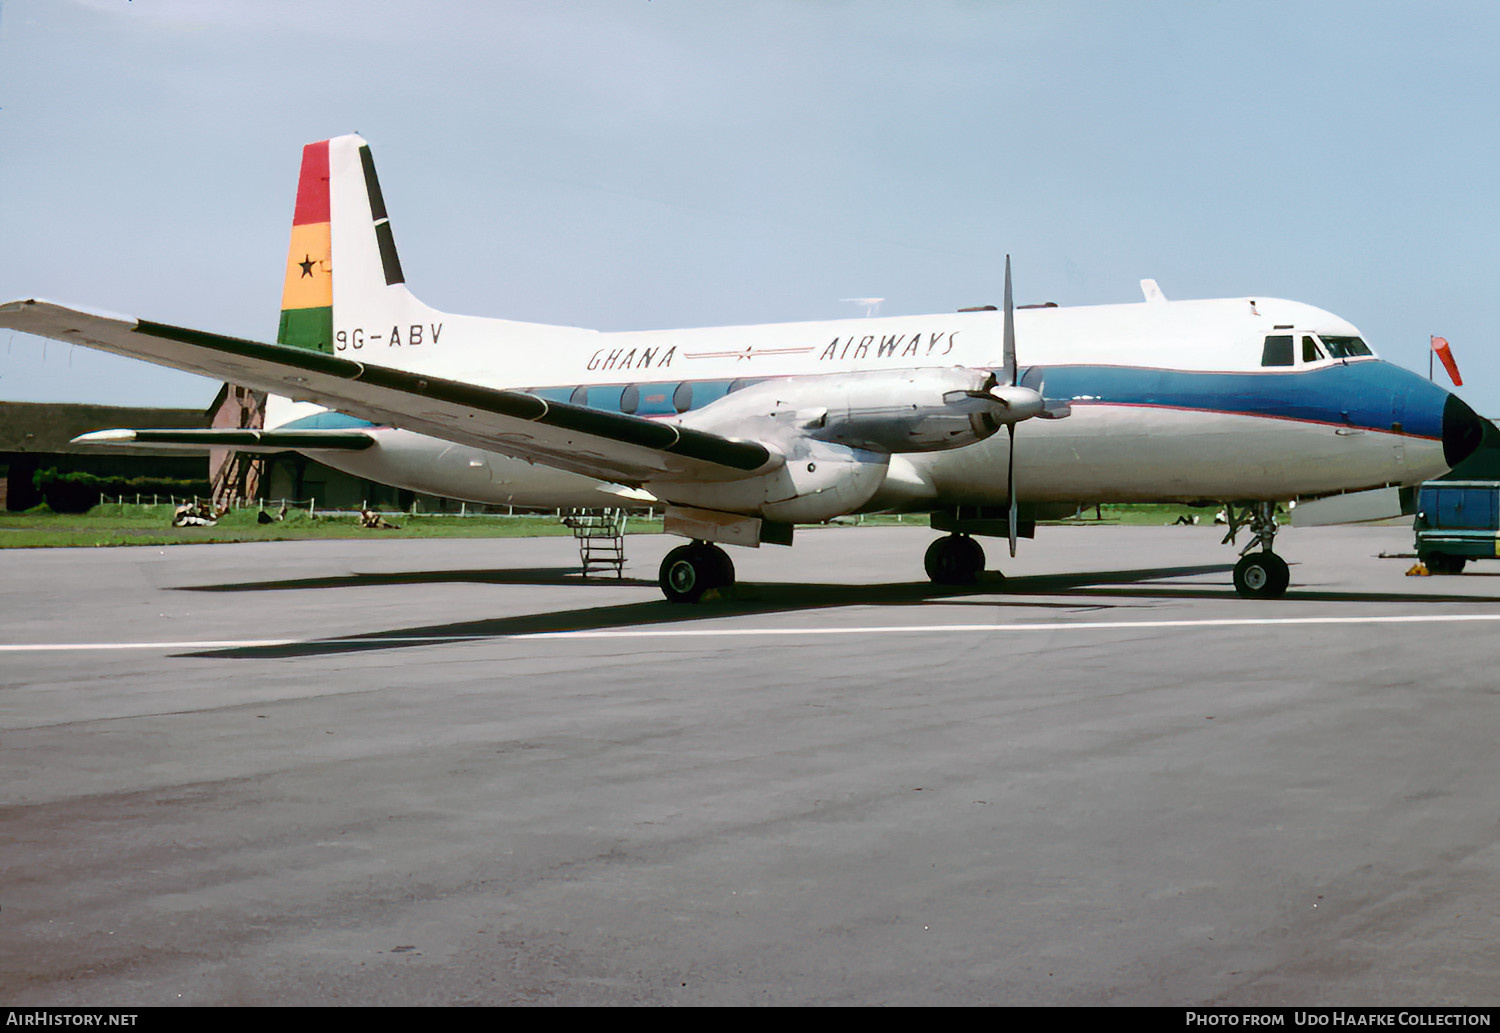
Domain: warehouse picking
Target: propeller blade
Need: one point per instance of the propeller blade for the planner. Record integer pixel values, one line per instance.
(1010, 488)
(1009, 340)
(1011, 375)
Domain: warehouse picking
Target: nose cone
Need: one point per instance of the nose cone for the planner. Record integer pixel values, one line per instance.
(1464, 431)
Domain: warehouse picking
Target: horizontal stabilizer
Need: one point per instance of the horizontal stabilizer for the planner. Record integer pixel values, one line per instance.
(239, 440)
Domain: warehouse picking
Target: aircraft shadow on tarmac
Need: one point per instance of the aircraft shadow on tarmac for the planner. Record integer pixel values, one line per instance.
(1093, 590)
(529, 576)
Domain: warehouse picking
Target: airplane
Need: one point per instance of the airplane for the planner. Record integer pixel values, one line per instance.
(741, 433)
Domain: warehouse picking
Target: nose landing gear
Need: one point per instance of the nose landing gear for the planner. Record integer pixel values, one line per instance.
(1260, 573)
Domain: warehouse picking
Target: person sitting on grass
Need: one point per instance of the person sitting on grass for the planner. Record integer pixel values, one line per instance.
(370, 519)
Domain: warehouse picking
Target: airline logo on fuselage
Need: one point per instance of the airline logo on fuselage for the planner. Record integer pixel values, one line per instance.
(632, 358)
(921, 345)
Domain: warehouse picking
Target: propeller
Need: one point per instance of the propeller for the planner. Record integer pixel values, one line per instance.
(1009, 402)
(1012, 380)
(1021, 403)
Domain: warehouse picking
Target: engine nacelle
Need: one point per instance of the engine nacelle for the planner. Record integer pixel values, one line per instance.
(834, 435)
(893, 411)
(817, 481)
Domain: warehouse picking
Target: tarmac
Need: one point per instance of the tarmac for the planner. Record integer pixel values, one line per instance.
(452, 772)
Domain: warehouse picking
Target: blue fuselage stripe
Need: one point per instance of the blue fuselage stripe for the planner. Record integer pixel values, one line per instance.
(1366, 394)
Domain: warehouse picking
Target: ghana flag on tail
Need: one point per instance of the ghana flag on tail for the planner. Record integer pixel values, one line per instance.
(307, 297)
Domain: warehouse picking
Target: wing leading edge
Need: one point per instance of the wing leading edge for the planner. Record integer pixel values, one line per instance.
(615, 447)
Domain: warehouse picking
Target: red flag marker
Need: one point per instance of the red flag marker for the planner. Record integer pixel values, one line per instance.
(1440, 347)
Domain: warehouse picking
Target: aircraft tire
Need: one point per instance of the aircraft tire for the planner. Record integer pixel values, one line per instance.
(1261, 575)
(954, 560)
(690, 570)
(721, 565)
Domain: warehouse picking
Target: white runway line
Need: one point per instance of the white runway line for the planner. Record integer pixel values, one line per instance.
(643, 633)
(1227, 622)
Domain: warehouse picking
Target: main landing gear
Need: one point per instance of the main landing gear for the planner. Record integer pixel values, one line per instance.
(954, 560)
(690, 570)
(1260, 573)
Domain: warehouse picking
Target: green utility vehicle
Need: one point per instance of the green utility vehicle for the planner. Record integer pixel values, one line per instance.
(1457, 521)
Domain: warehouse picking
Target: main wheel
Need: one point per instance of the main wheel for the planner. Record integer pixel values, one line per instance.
(1261, 575)
(690, 570)
(954, 560)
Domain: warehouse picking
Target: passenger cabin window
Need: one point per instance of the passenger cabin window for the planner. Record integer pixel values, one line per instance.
(1310, 350)
(1278, 351)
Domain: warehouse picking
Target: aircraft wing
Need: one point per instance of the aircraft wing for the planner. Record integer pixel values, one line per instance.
(614, 447)
(203, 439)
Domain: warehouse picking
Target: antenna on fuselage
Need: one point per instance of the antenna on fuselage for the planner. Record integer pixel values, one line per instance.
(872, 305)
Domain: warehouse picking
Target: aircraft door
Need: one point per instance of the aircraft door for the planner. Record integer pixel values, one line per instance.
(1398, 424)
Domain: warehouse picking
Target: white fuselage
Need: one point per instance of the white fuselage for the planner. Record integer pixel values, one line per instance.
(1170, 401)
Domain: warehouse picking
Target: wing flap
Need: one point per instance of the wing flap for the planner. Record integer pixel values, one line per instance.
(622, 448)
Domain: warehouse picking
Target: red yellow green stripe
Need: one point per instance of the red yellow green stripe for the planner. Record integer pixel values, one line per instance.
(307, 292)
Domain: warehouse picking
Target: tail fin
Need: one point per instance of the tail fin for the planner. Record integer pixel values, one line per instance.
(340, 227)
(307, 294)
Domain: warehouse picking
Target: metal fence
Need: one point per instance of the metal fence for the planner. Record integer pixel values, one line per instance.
(310, 506)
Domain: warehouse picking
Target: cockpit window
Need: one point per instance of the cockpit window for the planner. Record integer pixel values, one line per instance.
(1310, 350)
(1345, 347)
(1278, 351)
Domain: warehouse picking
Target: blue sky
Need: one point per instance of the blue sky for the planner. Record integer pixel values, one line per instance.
(637, 164)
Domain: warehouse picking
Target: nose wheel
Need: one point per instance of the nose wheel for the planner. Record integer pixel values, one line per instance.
(1260, 573)
(690, 570)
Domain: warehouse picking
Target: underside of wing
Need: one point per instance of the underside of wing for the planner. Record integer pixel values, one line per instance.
(616, 447)
(201, 440)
